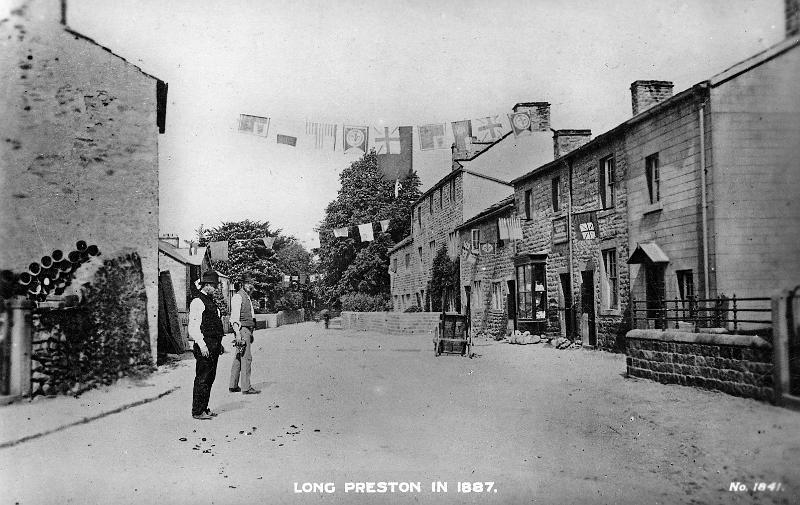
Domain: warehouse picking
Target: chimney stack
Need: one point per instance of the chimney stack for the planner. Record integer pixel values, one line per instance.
(645, 94)
(565, 141)
(540, 114)
(792, 17)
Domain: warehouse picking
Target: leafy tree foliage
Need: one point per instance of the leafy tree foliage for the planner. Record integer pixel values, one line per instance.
(352, 266)
(444, 281)
(249, 256)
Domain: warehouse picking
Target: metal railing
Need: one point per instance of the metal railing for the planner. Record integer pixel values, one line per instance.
(734, 314)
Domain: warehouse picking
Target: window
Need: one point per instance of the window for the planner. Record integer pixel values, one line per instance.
(452, 189)
(528, 203)
(451, 244)
(431, 204)
(476, 239)
(556, 182)
(607, 193)
(531, 291)
(611, 295)
(408, 260)
(685, 284)
(432, 249)
(497, 233)
(477, 294)
(394, 264)
(441, 192)
(419, 217)
(419, 252)
(497, 295)
(653, 178)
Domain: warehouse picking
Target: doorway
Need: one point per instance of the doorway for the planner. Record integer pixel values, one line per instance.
(654, 293)
(569, 310)
(588, 328)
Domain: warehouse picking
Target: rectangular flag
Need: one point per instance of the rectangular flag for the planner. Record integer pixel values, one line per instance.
(515, 228)
(386, 140)
(219, 250)
(356, 137)
(431, 136)
(585, 225)
(340, 232)
(520, 122)
(365, 230)
(323, 135)
(255, 125)
(384, 225)
(287, 139)
(462, 130)
(502, 223)
(488, 129)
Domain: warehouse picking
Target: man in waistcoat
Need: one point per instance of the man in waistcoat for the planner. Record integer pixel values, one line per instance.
(243, 323)
(205, 328)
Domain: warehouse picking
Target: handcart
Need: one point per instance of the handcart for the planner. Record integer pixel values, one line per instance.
(453, 335)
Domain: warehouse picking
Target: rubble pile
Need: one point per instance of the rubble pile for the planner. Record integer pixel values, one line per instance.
(526, 337)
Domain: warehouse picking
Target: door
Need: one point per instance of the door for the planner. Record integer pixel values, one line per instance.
(569, 312)
(588, 329)
(655, 293)
(511, 304)
(468, 308)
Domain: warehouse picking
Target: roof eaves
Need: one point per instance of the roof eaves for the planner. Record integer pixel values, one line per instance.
(754, 61)
(437, 184)
(94, 42)
(498, 208)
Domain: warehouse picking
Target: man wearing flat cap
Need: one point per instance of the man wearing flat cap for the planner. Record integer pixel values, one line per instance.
(205, 328)
(243, 323)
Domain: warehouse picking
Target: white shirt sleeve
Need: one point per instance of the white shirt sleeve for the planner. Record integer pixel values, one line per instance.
(236, 310)
(196, 309)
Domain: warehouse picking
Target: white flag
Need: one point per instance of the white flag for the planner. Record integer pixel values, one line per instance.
(340, 232)
(365, 230)
(384, 225)
(396, 187)
(502, 224)
(322, 135)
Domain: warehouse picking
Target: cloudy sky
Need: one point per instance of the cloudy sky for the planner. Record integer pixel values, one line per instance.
(401, 62)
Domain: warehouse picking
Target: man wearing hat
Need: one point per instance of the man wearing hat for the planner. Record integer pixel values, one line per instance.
(243, 322)
(205, 328)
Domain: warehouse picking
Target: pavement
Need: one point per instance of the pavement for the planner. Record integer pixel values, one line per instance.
(338, 408)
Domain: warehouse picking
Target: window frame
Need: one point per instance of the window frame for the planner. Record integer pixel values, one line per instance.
(653, 175)
(529, 302)
(528, 203)
(497, 295)
(555, 189)
(408, 260)
(607, 179)
(475, 238)
(611, 272)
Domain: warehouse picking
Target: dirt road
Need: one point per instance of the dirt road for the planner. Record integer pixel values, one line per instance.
(340, 410)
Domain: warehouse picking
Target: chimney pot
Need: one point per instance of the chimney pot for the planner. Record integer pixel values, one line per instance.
(645, 94)
(565, 141)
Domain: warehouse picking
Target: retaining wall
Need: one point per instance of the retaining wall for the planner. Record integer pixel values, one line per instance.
(280, 318)
(740, 365)
(393, 323)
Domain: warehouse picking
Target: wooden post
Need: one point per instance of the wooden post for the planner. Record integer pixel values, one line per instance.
(21, 346)
(780, 345)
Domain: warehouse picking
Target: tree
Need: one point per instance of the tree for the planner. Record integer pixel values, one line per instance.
(350, 265)
(444, 281)
(249, 256)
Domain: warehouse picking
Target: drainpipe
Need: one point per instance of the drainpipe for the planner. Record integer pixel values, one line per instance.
(569, 241)
(701, 114)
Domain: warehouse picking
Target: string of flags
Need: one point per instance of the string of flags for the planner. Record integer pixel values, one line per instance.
(365, 231)
(387, 139)
(219, 249)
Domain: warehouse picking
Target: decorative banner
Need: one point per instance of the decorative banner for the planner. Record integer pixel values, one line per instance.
(269, 241)
(502, 224)
(488, 129)
(514, 228)
(255, 125)
(340, 232)
(287, 139)
(355, 137)
(287, 278)
(487, 247)
(462, 130)
(431, 136)
(386, 140)
(384, 225)
(559, 230)
(302, 278)
(219, 250)
(365, 230)
(586, 227)
(520, 122)
(323, 135)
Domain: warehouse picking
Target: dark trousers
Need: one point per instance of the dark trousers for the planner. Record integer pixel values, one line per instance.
(205, 372)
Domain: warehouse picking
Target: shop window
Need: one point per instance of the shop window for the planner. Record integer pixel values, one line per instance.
(531, 292)
(528, 203)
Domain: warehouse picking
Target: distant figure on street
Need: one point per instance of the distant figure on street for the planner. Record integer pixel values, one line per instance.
(326, 316)
(205, 328)
(243, 322)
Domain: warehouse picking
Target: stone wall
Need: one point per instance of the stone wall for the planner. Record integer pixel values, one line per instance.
(735, 364)
(392, 323)
(78, 146)
(103, 338)
(280, 318)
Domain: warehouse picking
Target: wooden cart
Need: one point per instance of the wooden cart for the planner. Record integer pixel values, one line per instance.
(453, 335)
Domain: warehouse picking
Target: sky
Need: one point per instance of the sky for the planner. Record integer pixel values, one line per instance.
(389, 63)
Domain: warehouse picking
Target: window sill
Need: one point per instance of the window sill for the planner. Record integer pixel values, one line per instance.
(606, 212)
(652, 208)
(611, 312)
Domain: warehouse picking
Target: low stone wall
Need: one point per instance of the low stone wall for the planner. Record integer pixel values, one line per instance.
(393, 323)
(740, 365)
(280, 318)
(102, 339)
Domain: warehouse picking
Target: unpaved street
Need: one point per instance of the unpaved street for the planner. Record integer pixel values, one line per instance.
(543, 425)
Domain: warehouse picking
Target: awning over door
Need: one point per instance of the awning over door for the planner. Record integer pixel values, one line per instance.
(648, 253)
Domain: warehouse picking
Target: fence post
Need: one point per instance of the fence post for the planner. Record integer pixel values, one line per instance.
(21, 347)
(780, 345)
(735, 322)
(664, 315)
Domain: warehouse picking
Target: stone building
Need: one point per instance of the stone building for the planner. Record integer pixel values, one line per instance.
(78, 144)
(487, 269)
(480, 177)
